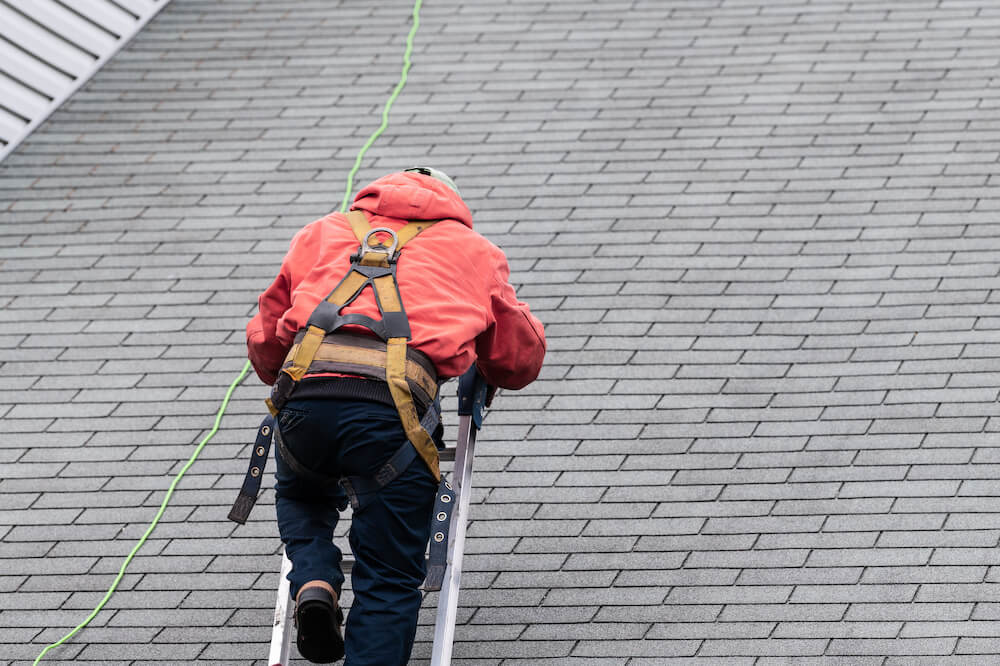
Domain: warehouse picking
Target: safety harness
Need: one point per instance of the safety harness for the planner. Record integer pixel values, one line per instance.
(407, 377)
(319, 349)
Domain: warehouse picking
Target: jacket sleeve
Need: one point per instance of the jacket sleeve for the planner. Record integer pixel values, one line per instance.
(267, 340)
(266, 346)
(265, 350)
(511, 350)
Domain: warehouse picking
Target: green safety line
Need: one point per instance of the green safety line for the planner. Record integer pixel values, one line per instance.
(388, 104)
(407, 63)
(156, 520)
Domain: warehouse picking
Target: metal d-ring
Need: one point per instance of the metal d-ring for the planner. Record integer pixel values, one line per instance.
(365, 247)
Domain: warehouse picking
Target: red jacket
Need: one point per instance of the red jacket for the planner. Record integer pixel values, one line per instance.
(453, 282)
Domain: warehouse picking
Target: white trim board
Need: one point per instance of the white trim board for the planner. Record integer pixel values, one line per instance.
(50, 48)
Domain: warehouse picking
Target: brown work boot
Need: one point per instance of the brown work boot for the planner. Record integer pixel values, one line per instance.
(318, 619)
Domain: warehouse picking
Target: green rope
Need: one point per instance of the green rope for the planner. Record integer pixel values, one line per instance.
(156, 519)
(246, 367)
(388, 105)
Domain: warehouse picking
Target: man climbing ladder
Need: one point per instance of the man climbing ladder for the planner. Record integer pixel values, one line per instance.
(355, 398)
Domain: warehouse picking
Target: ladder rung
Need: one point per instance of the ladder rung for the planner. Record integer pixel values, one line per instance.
(347, 564)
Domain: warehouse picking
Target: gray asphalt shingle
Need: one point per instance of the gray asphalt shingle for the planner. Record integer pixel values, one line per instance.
(762, 237)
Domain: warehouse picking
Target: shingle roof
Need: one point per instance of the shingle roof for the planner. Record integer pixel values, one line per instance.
(762, 235)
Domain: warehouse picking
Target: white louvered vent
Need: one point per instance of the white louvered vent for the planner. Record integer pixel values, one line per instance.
(49, 48)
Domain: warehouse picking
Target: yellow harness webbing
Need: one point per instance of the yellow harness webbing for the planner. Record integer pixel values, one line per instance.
(392, 328)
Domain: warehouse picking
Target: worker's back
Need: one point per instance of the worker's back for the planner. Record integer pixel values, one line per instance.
(453, 283)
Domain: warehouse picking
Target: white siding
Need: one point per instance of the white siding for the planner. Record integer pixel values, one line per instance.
(49, 48)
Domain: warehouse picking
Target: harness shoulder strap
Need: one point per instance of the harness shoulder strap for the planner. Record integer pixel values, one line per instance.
(361, 227)
(359, 223)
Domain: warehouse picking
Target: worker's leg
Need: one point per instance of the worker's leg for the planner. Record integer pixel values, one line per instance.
(389, 539)
(308, 512)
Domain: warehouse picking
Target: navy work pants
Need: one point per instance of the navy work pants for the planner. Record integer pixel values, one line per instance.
(388, 536)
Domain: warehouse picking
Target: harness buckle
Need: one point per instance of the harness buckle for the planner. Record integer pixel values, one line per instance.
(389, 252)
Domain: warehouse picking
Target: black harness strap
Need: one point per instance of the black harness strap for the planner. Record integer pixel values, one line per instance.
(297, 467)
(361, 489)
(255, 472)
(437, 557)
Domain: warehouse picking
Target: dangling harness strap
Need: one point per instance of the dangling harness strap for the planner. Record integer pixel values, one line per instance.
(251, 482)
(437, 556)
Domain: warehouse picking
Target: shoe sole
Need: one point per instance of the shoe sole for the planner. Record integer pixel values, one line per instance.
(319, 637)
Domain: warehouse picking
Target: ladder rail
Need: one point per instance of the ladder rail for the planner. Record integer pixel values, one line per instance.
(447, 610)
(281, 643)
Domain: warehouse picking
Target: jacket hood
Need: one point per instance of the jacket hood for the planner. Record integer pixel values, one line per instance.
(413, 196)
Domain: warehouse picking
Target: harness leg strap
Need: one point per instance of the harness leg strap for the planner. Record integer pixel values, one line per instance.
(361, 489)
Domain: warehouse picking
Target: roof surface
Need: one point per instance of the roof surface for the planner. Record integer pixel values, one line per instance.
(762, 235)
